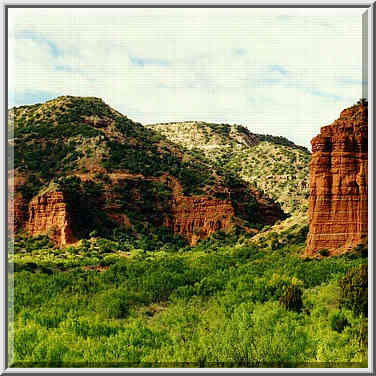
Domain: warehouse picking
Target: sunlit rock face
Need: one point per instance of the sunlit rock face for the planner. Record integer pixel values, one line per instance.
(49, 215)
(338, 203)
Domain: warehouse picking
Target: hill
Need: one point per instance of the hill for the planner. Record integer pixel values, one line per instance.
(80, 167)
(272, 164)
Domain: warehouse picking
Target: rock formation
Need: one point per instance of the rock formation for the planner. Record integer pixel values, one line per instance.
(16, 203)
(338, 217)
(198, 217)
(48, 215)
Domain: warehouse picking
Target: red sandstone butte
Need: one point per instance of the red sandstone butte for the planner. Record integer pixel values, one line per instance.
(48, 214)
(338, 216)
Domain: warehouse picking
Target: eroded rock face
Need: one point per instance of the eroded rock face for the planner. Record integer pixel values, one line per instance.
(48, 215)
(16, 214)
(198, 217)
(338, 216)
(16, 204)
(194, 217)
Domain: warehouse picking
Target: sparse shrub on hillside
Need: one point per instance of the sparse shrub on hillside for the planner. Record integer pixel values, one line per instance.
(362, 101)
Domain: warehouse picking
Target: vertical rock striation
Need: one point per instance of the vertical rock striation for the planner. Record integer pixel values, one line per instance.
(48, 215)
(198, 217)
(338, 215)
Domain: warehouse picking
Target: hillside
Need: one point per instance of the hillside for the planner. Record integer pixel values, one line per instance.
(272, 164)
(80, 166)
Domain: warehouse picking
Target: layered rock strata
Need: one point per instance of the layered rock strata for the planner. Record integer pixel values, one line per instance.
(16, 204)
(198, 217)
(338, 216)
(193, 217)
(49, 215)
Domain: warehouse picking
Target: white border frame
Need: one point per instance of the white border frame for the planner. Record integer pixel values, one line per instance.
(370, 7)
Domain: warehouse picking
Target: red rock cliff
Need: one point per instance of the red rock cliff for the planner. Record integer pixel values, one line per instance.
(48, 215)
(16, 204)
(193, 217)
(338, 216)
(198, 217)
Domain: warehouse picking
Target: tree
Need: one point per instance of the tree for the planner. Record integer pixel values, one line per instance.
(354, 294)
(292, 299)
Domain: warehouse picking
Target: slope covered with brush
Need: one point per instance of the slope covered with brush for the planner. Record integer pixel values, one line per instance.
(272, 164)
(80, 166)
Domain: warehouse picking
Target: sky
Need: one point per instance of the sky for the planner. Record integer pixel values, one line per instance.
(284, 72)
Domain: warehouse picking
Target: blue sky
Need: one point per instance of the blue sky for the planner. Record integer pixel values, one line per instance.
(278, 71)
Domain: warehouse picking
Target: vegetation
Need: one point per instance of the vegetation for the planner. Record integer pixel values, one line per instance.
(354, 293)
(273, 165)
(130, 293)
(228, 302)
(67, 136)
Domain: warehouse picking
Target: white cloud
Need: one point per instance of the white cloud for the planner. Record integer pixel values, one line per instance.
(204, 64)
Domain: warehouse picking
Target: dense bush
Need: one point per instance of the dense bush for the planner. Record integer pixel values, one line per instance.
(324, 252)
(354, 293)
(338, 321)
(292, 299)
(211, 306)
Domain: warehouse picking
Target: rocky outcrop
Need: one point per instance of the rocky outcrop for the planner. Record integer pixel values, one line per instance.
(338, 217)
(16, 213)
(16, 203)
(48, 215)
(194, 217)
(198, 217)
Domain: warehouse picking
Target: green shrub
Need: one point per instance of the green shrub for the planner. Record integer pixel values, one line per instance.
(292, 299)
(113, 303)
(362, 249)
(324, 252)
(354, 290)
(338, 321)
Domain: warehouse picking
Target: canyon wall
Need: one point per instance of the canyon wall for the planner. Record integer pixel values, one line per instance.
(48, 215)
(194, 217)
(338, 215)
(198, 217)
(16, 204)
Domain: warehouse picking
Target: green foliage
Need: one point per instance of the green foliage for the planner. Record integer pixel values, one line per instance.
(113, 303)
(354, 293)
(324, 252)
(30, 188)
(338, 321)
(85, 201)
(292, 299)
(45, 159)
(212, 306)
(279, 140)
